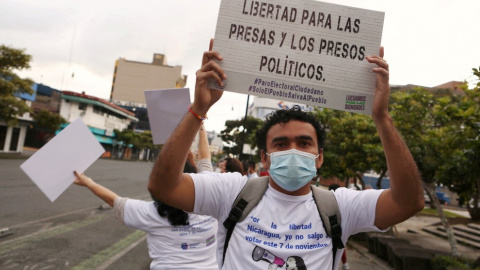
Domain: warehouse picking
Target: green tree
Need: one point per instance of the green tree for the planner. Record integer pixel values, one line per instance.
(414, 116)
(11, 61)
(461, 133)
(48, 120)
(139, 140)
(352, 145)
(146, 140)
(237, 133)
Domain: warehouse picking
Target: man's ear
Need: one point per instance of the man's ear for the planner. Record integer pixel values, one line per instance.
(319, 159)
(263, 156)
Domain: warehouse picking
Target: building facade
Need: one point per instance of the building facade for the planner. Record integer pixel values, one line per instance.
(12, 138)
(131, 78)
(454, 87)
(140, 112)
(46, 98)
(101, 116)
(215, 143)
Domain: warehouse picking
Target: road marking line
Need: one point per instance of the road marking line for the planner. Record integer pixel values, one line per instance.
(113, 259)
(109, 255)
(52, 217)
(144, 196)
(38, 236)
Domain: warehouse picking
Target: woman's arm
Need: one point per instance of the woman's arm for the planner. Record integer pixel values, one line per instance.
(203, 147)
(204, 158)
(102, 192)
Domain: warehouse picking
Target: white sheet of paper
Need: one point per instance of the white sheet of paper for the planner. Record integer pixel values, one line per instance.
(73, 149)
(165, 108)
(302, 51)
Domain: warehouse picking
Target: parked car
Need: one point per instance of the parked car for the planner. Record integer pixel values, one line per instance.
(443, 197)
(471, 203)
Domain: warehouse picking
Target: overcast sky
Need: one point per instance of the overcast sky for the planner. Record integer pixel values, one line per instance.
(426, 42)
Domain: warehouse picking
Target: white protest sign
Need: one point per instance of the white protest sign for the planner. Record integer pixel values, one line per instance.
(73, 149)
(165, 108)
(302, 51)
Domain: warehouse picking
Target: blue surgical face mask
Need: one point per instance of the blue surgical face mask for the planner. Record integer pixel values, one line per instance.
(292, 169)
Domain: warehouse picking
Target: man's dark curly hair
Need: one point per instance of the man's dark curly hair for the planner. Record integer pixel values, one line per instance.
(174, 215)
(282, 117)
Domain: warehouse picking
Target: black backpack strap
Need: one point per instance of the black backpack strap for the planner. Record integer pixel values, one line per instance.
(231, 221)
(336, 231)
(327, 206)
(247, 199)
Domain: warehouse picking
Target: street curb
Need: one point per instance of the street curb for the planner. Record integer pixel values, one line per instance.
(13, 156)
(371, 257)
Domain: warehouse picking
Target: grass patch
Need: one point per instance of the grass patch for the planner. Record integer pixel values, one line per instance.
(445, 262)
(434, 212)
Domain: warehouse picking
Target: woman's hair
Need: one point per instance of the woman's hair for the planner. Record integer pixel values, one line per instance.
(174, 215)
(234, 165)
(333, 187)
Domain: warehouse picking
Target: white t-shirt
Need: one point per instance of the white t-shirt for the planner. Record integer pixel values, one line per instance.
(172, 247)
(282, 230)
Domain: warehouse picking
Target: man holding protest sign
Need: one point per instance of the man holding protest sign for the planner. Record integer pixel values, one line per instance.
(285, 225)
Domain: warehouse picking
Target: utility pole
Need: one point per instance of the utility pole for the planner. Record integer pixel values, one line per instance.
(242, 141)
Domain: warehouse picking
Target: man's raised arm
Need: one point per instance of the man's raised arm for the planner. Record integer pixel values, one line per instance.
(405, 196)
(167, 181)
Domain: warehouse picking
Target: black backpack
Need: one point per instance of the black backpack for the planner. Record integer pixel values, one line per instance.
(252, 193)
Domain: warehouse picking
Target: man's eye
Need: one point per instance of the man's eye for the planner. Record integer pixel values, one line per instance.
(305, 143)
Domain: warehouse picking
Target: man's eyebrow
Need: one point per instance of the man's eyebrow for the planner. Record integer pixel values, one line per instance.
(304, 137)
(285, 138)
(276, 139)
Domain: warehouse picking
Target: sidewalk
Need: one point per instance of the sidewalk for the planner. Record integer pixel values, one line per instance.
(27, 152)
(359, 258)
(412, 230)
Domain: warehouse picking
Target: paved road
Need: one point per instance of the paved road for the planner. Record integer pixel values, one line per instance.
(72, 232)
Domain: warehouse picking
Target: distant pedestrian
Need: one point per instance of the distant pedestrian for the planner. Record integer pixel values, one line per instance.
(252, 170)
(264, 172)
(231, 165)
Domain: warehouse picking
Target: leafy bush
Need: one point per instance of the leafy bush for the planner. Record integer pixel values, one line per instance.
(445, 262)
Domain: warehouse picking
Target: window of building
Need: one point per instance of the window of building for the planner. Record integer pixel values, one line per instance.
(97, 109)
(3, 136)
(14, 141)
(82, 106)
